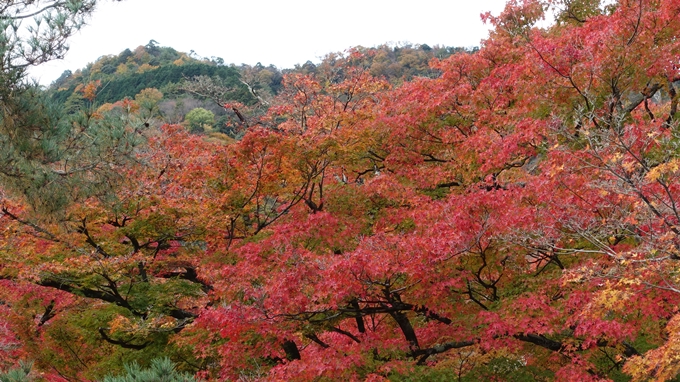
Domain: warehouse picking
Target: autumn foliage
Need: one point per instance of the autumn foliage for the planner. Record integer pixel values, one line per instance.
(515, 218)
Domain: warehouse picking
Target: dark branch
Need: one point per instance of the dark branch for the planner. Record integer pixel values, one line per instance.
(88, 238)
(558, 346)
(540, 341)
(317, 340)
(359, 318)
(37, 228)
(291, 349)
(123, 344)
(424, 354)
(348, 334)
(48, 315)
(189, 274)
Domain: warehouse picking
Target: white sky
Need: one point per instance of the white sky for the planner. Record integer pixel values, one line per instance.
(278, 32)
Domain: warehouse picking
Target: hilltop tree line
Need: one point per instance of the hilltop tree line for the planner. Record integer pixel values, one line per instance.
(164, 68)
(174, 74)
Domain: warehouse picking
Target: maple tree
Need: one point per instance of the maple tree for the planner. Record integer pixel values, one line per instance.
(513, 218)
(514, 206)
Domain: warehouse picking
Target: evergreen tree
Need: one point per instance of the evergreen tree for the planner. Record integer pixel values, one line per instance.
(17, 374)
(161, 370)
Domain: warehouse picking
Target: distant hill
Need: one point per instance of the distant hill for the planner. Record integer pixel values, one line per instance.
(396, 63)
(148, 66)
(165, 69)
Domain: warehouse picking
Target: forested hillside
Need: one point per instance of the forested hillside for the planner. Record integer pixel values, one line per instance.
(188, 82)
(151, 65)
(507, 213)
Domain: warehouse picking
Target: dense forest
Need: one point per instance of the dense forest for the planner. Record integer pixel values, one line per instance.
(183, 82)
(394, 213)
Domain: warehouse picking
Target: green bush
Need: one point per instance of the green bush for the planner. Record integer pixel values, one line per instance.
(19, 374)
(161, 370)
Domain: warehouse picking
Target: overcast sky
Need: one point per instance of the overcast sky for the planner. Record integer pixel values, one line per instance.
(278, 32)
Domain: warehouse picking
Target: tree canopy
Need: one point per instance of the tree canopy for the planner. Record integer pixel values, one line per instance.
(511, 216)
